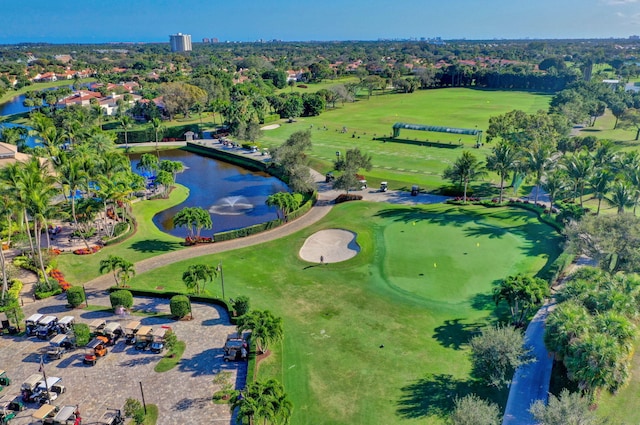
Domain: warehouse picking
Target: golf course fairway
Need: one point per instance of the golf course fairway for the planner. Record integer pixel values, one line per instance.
(381, 338)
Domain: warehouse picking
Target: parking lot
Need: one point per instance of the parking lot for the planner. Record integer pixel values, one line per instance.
(183, 394)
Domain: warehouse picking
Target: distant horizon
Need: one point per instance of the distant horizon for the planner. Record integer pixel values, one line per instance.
(632, 37)
(151, 21)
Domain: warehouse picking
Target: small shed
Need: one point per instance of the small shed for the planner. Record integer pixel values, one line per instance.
(189, 136)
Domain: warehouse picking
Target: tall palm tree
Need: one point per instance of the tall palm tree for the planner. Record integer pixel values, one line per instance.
(537, 162)
(264, 326)
(197, 273)
(125, 122)
(578, 169)
(621, 196)
(555, 186)
(600, 183)
(464, 170)
(156, 124)
(503, 160)
(73, 177)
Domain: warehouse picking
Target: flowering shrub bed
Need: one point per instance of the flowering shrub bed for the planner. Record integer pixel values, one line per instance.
(87, 251)
(58, 276)
(192, 241)
(54, 251)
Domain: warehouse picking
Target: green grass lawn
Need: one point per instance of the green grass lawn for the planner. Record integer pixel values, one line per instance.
(406, 162)
(420, 287)
(147, 242)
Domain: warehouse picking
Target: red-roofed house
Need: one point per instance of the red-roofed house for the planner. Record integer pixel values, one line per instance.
(82, 98)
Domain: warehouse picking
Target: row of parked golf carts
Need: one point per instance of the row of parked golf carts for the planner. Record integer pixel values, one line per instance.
(45, 327)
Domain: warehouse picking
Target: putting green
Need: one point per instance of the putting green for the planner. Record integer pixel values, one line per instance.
(447, 258)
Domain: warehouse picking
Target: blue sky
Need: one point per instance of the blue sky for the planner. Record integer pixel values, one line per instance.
(97, 21)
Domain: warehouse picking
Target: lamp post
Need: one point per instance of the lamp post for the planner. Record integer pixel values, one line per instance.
(221, 278)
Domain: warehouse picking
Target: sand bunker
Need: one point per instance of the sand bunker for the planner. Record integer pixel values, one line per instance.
(333, 245)
(270, 127)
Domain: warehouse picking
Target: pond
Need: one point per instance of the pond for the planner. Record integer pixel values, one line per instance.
(235, 197)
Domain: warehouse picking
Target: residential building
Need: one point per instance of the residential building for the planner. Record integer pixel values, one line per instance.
(180, 42)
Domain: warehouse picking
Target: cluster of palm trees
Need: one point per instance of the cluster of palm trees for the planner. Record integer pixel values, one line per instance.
(605, 175)
(264, 400)
(75, 174)
(592, 329)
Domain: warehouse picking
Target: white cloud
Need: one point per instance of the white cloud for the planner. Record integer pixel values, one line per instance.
(619, 2)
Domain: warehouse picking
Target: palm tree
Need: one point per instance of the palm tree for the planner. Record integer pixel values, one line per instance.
(14, 136)
(538, 161)
(125, 122)
(285, 202)
(148, 163)
(621, 196)
(265, 328)
(503, 160)
(119, 267)
(164, 179)
(73, 177)
(197, 273)
(156, 124)
(578, 169)
(600, 183)
(465, 169)
(555, 186)
(194, 219)
(174, 167)
(111, 264)
(565, 324)
(265, 400)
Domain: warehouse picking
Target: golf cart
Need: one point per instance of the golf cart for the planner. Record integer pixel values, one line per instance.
(113, 331)
(29, 385)
(48, 391)
(45, 414)
(158, 339)
(31, 323)
(65, 325)
(97, 347)
(235, 348)
(130, 331)
(383, 186)
(96, 327)
(144, 338)
(47, 327)
(4, 379)
(59, 345)
(112, 417)
(12, 402)
(329, 177)
(415, 190)
(68, 415)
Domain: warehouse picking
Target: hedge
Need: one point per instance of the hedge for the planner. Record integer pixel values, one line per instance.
(246, 231)
(558, 267)
(147, 134)
(169, 295)
(231, 158)
(270, 118)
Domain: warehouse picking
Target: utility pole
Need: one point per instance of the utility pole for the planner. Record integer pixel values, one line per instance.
(221, 277)
(144, 404)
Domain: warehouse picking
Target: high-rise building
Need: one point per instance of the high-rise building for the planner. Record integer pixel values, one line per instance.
(180, 42)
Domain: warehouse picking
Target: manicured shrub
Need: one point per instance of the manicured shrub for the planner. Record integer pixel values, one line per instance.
(122, 298)
(241, 305)
(75, 296)
(180, 306)
(82, 333)
(344, 197)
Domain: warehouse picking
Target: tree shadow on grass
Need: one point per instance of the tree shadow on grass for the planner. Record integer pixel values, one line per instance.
(435, 395)
(432, 395)
(454, 334)
(155, 245)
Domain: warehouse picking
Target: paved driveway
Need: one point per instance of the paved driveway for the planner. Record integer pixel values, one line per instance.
(183, 394)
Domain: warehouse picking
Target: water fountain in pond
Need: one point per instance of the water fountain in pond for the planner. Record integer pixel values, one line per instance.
(231, 205)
